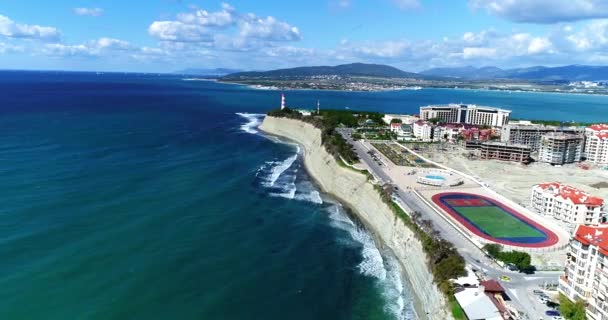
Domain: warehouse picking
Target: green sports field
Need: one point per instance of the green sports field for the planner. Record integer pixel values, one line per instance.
(497, 223)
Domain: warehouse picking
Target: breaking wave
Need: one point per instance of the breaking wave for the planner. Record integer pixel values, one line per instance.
(382, 266)
(254, 120)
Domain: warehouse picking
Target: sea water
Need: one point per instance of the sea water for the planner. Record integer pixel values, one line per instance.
(139, 196)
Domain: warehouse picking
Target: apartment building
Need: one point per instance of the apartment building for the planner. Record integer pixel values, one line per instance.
(567, 204)
(423, 130)
(596, 144)
(525, 132)
(586, 273)
(560, 148)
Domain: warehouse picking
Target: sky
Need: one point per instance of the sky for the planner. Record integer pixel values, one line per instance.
(414, 35)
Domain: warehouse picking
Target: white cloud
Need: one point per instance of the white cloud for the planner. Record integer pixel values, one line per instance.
(11, 29)
(91, 48)
(477, 52)
(544, 11)
(208, 27)
(93, 12)
(179, 32)
(268, 28)
(10, 48)
(202, 17)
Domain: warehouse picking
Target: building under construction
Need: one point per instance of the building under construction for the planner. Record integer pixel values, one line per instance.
(530, 134)
(495, 150)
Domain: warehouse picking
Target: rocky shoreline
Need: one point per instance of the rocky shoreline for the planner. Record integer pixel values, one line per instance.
(354, 190)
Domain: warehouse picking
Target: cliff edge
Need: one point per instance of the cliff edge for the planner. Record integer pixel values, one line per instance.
(358, 194)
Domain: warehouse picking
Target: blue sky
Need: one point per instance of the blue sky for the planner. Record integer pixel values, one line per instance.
(168, 35)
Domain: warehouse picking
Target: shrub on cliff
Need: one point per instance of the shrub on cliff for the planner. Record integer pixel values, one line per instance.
(520, 259)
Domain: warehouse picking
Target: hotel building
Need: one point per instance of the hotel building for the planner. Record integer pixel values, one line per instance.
(468, 114)
(503, 151)
(423, 130)
(596, 144)
(567, 204)
(560, 148)
(525, 132)
(586, 273)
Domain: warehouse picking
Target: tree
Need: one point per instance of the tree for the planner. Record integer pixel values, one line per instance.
(396, 121)
(572, 310)
(434, 120)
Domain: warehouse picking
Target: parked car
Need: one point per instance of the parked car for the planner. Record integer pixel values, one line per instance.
(552, 313)
(552, 304)
(538, 292)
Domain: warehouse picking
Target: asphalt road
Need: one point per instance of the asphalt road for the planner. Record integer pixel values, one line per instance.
(520, 286)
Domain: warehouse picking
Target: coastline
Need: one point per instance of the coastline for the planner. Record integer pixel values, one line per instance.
(354, 191)
(446, 87)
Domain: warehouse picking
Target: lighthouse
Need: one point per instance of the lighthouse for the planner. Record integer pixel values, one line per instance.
(282, 101)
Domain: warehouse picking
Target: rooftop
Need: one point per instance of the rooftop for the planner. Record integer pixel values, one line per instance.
(463, 106)
(506, 144)
(575, 195)
(593, 235)
(599, 127)
(562, 136)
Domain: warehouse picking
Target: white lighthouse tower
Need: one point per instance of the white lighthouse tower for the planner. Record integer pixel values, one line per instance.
(282, 101)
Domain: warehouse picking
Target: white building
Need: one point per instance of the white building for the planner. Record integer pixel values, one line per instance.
(423, 130)
(586, 273)
(469, 114)
(596, 144)
(567, 204)
(560, 148)
(406, 119)
(477, 305)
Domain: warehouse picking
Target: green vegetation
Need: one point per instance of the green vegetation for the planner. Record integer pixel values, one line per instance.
(327, 122)
(457, 311)
(497, 223)
(434, 120)
(396, 121)
(443, 258)
(520, 259)
(572, 310)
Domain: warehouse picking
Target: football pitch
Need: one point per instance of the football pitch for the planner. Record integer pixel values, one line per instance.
(498, 223)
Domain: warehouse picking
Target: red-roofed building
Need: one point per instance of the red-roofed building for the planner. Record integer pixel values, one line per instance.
(567, 204)
(596, 144)
(586, 273)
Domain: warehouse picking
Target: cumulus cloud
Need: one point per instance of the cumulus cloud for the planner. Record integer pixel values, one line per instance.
(11, 29)
(93, 12)
(91, 48)
(544, 11)
(209, 27)
(179, 31)
(268, 28)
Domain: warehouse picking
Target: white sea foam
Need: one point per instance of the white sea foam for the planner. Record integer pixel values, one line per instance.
(254, 120)
(279, 169)
(383, 267)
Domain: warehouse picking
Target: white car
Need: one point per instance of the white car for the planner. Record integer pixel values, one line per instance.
(558, 318)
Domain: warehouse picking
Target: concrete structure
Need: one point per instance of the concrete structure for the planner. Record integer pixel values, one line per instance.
(560, 148)
(527, 133)
(406, 119)
(493, 150)
(586, 273)
(567, 204)
(596, 144)
(423, 130)
(469, 114)
(476, 304)
(404, 131)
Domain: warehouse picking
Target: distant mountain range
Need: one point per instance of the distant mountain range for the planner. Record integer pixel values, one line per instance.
(218, 72)
(538, 73)
(353, 69)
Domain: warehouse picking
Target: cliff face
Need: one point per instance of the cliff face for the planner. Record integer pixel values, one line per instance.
(356, 192)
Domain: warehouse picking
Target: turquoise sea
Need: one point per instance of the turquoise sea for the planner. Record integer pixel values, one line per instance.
(130, 196)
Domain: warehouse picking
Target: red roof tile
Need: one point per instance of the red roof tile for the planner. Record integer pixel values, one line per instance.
(492, 286)
(599, 127)
(593, 235)
(575, 195)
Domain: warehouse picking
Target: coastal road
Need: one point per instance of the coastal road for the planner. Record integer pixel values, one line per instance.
(520, 286)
